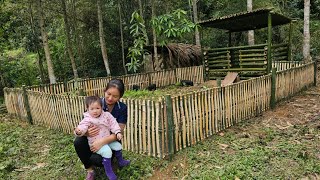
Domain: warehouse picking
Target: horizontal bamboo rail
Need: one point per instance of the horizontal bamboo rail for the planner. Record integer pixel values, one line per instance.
(237, 48)
(153, 128)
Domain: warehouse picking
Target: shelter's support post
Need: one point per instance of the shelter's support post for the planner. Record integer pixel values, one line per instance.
(170, 126)
(273, 88)
(290, 42)
(26, 104)
(229, 33)
(269, 42)
(205, 66)
(219, 82)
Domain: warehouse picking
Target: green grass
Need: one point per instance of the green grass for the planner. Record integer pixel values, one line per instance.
(162, 91)
(33, 152)
(265, 154)
(143, 94)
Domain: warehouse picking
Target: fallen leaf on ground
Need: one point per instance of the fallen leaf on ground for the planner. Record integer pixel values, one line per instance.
(39, 165)
(223, 146)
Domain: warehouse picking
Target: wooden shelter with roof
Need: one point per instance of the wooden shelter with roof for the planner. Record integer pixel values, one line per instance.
(251, 60)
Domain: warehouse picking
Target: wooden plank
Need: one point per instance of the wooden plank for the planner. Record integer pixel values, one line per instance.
(229, 79)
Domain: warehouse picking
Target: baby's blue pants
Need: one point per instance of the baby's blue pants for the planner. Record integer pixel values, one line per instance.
(106, 150)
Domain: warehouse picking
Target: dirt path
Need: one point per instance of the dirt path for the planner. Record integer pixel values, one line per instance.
(282, 143)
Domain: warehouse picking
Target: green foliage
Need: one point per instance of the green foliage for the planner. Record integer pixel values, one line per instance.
(172, 26)
(17, 32)
(18, 67)
(138, 32)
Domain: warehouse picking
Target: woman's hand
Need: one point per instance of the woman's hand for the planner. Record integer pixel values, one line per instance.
(92, 131)
(96, 145)
(119, 136)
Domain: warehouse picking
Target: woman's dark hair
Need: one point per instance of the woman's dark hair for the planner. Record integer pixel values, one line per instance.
(116, 83)
(92, 99)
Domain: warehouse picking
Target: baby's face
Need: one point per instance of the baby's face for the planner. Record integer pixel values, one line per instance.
(95, 109)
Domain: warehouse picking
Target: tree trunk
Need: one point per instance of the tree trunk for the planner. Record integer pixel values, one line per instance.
(155, 50)
(102, 41)
(306, 32)
(121, 36)
(251, 32)
(40, 64)
(140, 8)
(195, 20)
(77, 38)
(67, 31)
(45, 44)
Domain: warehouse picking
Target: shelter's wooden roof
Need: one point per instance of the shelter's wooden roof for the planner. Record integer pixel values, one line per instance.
(244, 21)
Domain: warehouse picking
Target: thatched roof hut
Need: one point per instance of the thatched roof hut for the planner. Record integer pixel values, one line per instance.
(174, 55)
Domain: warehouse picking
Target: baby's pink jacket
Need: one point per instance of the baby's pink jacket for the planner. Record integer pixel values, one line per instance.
(105, 122)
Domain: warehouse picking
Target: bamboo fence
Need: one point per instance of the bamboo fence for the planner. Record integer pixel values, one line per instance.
(161, 127)
(95, 86)
(284, 65)
(291, 81)
(198, 115)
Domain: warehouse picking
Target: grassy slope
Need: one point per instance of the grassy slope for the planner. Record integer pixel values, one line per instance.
(33, 152)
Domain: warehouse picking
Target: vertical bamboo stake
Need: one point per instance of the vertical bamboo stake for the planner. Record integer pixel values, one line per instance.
(149, 126)
(273, 88)
(183, 118)
(170, 126)
(143, 118)
(211, 110)
(215, 109)
(26, 104)
(139, 104)
(196, 119)
(207, 114)
(178, 124)
(153, 130)
(158, 128)
(202, 115)
(175, 131)
(134, 126)
(164, 132)
(187, 119)
(193, 118)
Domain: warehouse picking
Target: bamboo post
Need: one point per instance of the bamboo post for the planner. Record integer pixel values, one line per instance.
(315, 73)
(229, 44)
(269, 42)
(26, 104)
(219, 82)
(170, 126)
(273, 88)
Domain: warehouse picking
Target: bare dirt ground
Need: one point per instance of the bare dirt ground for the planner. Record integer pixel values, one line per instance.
(294, 123)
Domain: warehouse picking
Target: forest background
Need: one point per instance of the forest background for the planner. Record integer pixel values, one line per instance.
(47, 41)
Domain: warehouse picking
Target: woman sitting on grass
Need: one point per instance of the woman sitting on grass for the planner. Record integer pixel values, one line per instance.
(110, 103)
